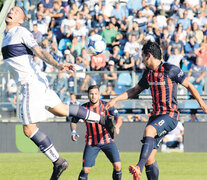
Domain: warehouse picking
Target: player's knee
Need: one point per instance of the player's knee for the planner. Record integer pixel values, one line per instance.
(86, 169)
(29, 129)
(150, 131)
(117, 166)
(150, 161)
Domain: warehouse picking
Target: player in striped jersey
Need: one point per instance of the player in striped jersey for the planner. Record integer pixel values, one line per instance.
(162, 79)
(18, 47)
(97, 138)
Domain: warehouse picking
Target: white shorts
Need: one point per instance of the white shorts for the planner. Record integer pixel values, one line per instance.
(172, 137)
(36, 97)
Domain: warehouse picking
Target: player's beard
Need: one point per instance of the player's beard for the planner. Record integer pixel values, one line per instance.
(93, 102)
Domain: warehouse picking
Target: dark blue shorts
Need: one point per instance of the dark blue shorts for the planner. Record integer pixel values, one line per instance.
(91, 152)
(163, 124)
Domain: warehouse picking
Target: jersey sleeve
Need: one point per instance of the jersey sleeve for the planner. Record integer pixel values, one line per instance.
(176, 74)
(143, 81)
(28, 39)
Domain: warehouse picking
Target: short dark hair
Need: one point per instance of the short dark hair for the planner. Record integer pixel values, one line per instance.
(152, 48)
(93, 87)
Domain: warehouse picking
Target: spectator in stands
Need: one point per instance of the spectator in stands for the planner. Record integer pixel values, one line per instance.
(109, 33)
(175, 43)
(190, 48)
(195, 31)
(171, 25)
(44, 12)
(199, 19)
(150, 34)
(193, 117)
(185, 21)
(148, 12)
(67, 26)
(98, 63)
(72, 100)
(174, 135)
(60, 85)
(110, 74)
(165, 41)
(141, 20)
(109, 90)
(197, 72)
(88, 81)
(48, 4)
(99, 24)
(86, 15)
(37, 34)
(105, 9)
(115, 57)
(23, 4)
(127, 62)
(175, 58)
(117, 23)
(201, 52)
(131, 46)
(76, 47)
(133, 6)
(134, 30)
(182, 33)
(57, 15)
(119, 41)
(56, 54)
(79, 31)
(68, 57)
(118, 12)
(51, 37)
(85, 59)
(42, 25)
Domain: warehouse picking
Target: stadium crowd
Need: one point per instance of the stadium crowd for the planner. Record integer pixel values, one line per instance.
(63, 27)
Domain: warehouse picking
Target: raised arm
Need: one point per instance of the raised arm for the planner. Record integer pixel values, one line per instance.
(188, 85)
(46, 57)
(133, 92)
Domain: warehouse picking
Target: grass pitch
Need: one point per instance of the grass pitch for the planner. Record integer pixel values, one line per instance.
(35, 166)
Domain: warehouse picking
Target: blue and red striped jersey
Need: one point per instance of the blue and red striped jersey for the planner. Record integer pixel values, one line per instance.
(96, 133)
(163, 85)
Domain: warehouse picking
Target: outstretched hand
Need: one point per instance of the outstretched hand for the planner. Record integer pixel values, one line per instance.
(67, 67)
(110, 104)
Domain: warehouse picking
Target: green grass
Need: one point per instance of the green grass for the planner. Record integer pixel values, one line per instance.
(35, 166)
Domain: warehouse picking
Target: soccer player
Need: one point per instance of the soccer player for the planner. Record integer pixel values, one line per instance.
(97, 138)
(18, 47)
(162, 79)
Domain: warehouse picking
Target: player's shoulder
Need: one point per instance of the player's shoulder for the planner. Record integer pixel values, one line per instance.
(22, 29)
(171, 67)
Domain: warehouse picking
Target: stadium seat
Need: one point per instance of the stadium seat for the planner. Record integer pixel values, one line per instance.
(124, 79)
(119, 89)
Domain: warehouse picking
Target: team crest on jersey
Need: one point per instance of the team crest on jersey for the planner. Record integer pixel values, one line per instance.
(102, 113)
(160, 75)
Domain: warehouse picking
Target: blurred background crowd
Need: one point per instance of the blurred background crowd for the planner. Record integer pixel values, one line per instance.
(63, 27)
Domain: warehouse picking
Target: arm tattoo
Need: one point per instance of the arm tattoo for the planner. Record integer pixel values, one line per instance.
(45, 56)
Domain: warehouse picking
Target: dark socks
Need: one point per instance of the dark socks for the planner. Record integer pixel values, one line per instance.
(146, 150)
(45, 145)
(117, 175)
(83, 176)
(83, 113)
(152, 171)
